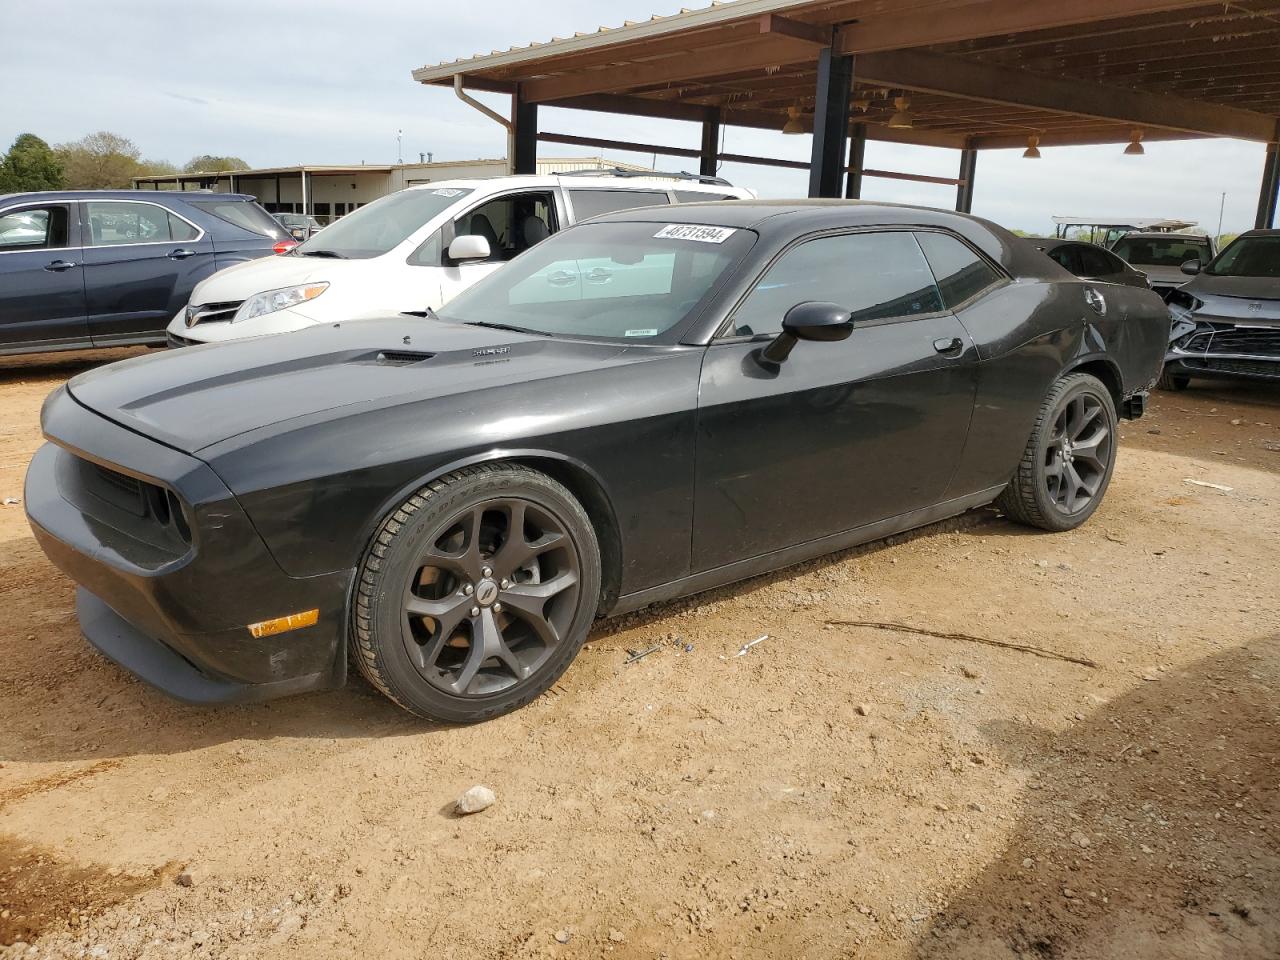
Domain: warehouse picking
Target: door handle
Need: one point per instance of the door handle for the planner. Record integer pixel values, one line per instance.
(181, 253)
(561, 278)
(948, 346)
(59, 265)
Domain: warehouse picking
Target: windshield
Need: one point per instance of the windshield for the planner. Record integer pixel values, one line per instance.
(382, 225)
(653, 277)
(1248, 257)
(1161, 251)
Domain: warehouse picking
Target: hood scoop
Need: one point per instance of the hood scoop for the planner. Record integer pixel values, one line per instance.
(401, 358)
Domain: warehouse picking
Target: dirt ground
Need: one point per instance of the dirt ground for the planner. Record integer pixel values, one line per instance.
(860, 784)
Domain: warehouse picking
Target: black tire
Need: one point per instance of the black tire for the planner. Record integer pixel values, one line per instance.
(1172, 381)
(1078, 414)
(497, 641)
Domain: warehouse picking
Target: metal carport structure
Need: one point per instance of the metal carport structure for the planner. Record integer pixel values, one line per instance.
(967, 74)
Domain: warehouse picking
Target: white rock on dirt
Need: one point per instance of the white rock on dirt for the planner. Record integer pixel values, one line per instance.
(474, 800)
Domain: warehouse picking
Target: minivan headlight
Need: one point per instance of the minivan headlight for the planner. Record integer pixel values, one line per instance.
(269, 301)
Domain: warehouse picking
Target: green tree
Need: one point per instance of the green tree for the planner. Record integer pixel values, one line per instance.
(100, 161)
(155, 168)
(30, 164)
(207, 163)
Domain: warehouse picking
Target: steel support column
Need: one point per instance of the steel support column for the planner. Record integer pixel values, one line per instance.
(857, 161)
(830, 123)
(524, 137)
(1267, 199)
(964, 191)
(709, 158)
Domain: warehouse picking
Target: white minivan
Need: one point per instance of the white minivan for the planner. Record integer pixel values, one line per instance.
(414, 250)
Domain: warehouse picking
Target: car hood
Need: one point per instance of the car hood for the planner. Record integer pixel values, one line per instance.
(1237, 298)
(1165, 276)
(194, 397)
(243, 280)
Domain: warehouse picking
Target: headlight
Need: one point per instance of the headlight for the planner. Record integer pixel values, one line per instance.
(272, 300)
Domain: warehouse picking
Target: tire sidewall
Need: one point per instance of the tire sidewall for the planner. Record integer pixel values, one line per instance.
(392, 571)
(1070, 387)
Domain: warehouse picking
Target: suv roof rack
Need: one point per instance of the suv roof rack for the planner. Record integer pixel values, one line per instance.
(670, 175)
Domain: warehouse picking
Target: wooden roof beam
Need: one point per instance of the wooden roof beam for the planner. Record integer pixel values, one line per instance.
(973, 80)
(796, 29)
(972, 19)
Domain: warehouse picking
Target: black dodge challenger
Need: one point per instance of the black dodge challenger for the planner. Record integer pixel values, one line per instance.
(648, 405)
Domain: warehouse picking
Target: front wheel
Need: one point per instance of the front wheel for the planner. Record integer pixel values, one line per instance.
(476, 593)
(1069, 458)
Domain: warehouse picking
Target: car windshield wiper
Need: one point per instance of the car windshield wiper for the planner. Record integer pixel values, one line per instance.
(323, 253)
(505, 326)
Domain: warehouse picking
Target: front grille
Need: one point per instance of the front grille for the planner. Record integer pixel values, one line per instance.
(1242, 368)
(145, 512)
(1234, 340)
(212, 312)
(177, 341)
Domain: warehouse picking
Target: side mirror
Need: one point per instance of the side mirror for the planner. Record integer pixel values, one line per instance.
(469, 246)
(811, 320)
(1191, 267)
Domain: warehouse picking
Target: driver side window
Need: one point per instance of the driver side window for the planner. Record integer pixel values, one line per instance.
(876, 276)
(512, 223)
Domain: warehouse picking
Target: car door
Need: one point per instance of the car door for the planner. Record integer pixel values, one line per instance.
(141, 261)
(41, 278)
(511, 222)
(842, 434)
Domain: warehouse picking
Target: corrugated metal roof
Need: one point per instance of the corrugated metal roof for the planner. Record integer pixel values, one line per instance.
(719, 11)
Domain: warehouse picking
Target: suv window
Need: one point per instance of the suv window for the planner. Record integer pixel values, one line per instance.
(512, 223)
(116, 222)
(1160, 251)
(242, 213)
(34, 228)
(961, 273)
(877, 276)
(592, 203)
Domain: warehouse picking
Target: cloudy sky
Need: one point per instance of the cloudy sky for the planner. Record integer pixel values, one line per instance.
(327, 81)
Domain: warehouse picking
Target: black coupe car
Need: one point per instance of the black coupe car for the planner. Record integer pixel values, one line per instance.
(654, 403)
(1226, 321)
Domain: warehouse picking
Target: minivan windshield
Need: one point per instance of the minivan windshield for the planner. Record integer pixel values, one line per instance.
(382, 225)
(630, 281)
(1161, 251)
(1248, 257)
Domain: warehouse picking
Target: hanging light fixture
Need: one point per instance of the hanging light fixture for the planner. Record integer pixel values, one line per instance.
(1033, 148)
(902, 119)
(795, 122)
(1135, 147)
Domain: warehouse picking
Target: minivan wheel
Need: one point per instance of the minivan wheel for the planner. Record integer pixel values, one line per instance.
(1069, 458)
(476, 593)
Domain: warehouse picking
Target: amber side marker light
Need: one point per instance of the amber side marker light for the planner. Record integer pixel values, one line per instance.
(294, 621)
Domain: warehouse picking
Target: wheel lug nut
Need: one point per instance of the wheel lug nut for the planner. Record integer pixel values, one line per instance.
(468, 589)
(506, 584)
(487, 571)
(497, 608)
(475, 611)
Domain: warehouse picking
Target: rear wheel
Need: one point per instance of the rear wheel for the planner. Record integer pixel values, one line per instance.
(1069, 458)
(476, 593)
(1172, 381)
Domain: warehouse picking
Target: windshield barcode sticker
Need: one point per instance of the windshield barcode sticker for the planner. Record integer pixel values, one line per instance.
(641, 333)
(690, 231)
(448, 192)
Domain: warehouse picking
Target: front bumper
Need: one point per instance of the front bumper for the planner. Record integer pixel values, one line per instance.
(172, 603)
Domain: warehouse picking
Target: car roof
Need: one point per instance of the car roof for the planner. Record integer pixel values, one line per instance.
(781, 220)
(36, 196)
(1260, 233)
(1157, 235)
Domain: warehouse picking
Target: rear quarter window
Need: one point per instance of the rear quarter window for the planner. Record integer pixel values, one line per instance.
(244, 214)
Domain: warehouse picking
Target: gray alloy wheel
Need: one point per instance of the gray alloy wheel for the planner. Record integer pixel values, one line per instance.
(1069, 458)
(476, 593)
